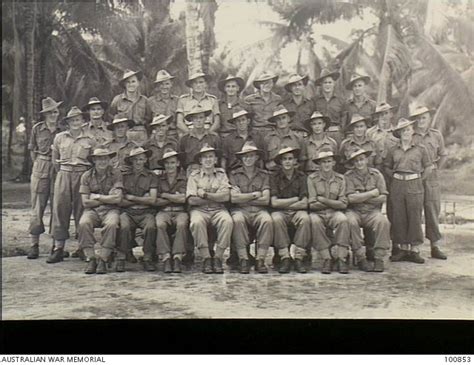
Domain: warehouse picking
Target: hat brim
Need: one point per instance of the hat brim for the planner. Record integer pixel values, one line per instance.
(164, 79)
(271, 120)
(296, 152)
(205, 112)
(103, 104)
(111, 154)
(257, 82)
(168, 120)
(240, 81)
(130, 123)
(248, 115)
(128, 158)
(416, 115)
(305, 80)
(350, 160)
(336, 158)
(179, 156)
(386, 110)
(307, 123)
(189, 81)
(66, 119)
(367, 121)
(198, 155)
(366, 79)
(396, 131)
(51, 107)
(240, 153)
(138, 74)
(333, 75)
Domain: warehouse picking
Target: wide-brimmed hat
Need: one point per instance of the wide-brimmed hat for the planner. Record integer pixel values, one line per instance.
(163, 75)
(195, 76)
(160, 119)
(101, 151)
(279, 112)
(94, 101)
(48, 104)
(357, 77)
(298, 126)
(240, 81)
(198, 109)
(239, 114)
(402, 123)
(356, 118)
(316, 115)
(73, 112)
(356, 153)
(129, 73)
(168, 153)
(324, 154)
(326, 73)
(295, 78)
(419, 111)
(265, 77)
(135, 152)
(284, 151)
(204, 149)
(120, 119)
(383, 107)
(247, 148)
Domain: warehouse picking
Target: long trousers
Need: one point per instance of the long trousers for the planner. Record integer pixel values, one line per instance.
(42, 189)
(432, 207)
(109, 220)
(166, 220)
(129, 222)
(407, 206)
(299, 219)
(333, 219)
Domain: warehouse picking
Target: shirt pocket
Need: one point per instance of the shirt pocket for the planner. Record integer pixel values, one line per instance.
(44, 143)
(84, 151)
(333, 191)
(143, 186)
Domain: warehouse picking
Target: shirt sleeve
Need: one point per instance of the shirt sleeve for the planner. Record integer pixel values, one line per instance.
(380, 183)
(191, 187)
(350, 186)
(342, 192)
(224, 184)
(154, 181)
(118, 181)
(55, 145)
(215, 107)
(180, 106)
(442, 149)
(425, 157)
(84, 187)
(303, 187)
(113, 106)
(312, 193)
(266, 182)
(32, 145)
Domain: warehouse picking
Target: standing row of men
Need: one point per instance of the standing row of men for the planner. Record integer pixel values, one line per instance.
(125, 187)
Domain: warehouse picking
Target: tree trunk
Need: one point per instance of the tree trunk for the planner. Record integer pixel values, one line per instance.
(207, 11)
(193, 39)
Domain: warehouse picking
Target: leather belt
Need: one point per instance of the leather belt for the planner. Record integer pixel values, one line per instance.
(334, 128)
(173, 209)
(406, 177)
(69, 168)
(44, 157)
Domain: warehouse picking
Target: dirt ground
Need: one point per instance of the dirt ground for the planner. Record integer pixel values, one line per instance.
(32, 289)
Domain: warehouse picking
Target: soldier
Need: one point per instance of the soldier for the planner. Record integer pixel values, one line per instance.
(359, 103)
(331, 105)
(159, 141)
(101, 192)
(433, 140)
(318, 139)
(43, 172)
(409, 164)
(133, 105)
(281, 136)
(366, 192)
(172, 212)
(327, 200)
(250, 195)
(289, 199)
(264, 102)
(296, 101)
(97, 128)
(198, 97)
(191, 143)
(163, 102)
(231, 88)
(120, 144)
(70, 151)
(242, 133)
(139, 195)
(207, 190)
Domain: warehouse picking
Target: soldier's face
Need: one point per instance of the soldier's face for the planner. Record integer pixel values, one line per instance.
(51, 116)
(424, 121)
(101, 162)
(171, 164)
(139, 161)
(384, 119)
(208, 159)
(328, 85)
(266, 86)
(199, 120)
(132, 83)
(317, 125)
(242, 123)
(199, 85)
(96, 111)
(360, 162)
(160, 129)
(75, 123)
(231, 88)
(327, 164)
(288, 161)
(121, 129)
(358, 88)
(359, 129)
(297, 88)
(249, 159)
(165, 87)
(283, 121)
(407, 132)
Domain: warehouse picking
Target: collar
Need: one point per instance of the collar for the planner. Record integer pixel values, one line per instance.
(324, 140)
(192, 133)
(417, 131)
(412, 144)
(108, 172)
(320, 176)
(124, 97)
(366, 139)
(81, 135)
(144, 172)
(225, 102)
(179, 176)
(205, 95)
(202, 173)
(90, 125)
(160, 97)
(272, 95)
(365, 98)
(290, 99)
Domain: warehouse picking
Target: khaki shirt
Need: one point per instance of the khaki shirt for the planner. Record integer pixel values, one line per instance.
(139, 184)
(282, 187)
(73, 151)
(187, 102)
(178, 186)
(138, 110)
(302, 111)
(433, 141)
(159, 105)
(383, 139)
(91, 184)
(157, 150)
(227, 110)
(262, 109)
(361, 183)
(190, 144)
(242, 183)
(412, 161)
(335, 108)
(122, 149)
(314, 147)
(349, 145)
(333, 188)
(233, 143)
(100, 134)
(365, 109)
(42, 138)
(216, 182)
(274, 141)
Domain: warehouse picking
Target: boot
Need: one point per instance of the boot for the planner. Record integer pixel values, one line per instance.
(177, 265)
(233, 261)
(343, 268)
(33, 253)
(207, 266)
(120, 265)
(300, 266)
(276, 260)
(101, 267)
(378, 266)
(149, 265)
(436, 253)
(415, 257)
(327, 265)
(79, 254)
(56, 256)
(364, 265)
(260, 267)
(130, 257)
(91, 266)
(370, 254)
(244, 266)
(218, 269)
(284, 267)
(401, 255)
(188, 259)
(167, 267)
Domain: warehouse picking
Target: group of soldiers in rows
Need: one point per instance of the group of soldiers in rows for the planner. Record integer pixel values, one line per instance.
(195, 172)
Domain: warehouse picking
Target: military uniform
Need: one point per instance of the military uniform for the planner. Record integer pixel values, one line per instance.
(262, 110)
(233, 143)
(187, 102)
(157, 150)
(172, 215)
(248, 215)
(335, 108)
(137, 216)
(275, 140)
(122, 149)
(384, 140)
(349, 145)
(105, 216)
(160, 105)
(100, 134)
(72, 153)
(367, 215)
(313, 148)
(434, 143)
(190, 144)
(42, 176)
(302, 111)
(226, 111)
(365, 109)
(212, 212)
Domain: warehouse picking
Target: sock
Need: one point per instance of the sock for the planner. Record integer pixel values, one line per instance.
(178, 256)
(324, 254)
(342, 252)
(204, 253)
(59, 244)
(166, 256)
(261, 253)
(242, 253)
(220, 252)
(35, 240)
(283, 252)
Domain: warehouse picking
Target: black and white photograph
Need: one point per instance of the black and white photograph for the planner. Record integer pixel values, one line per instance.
(250, 159)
